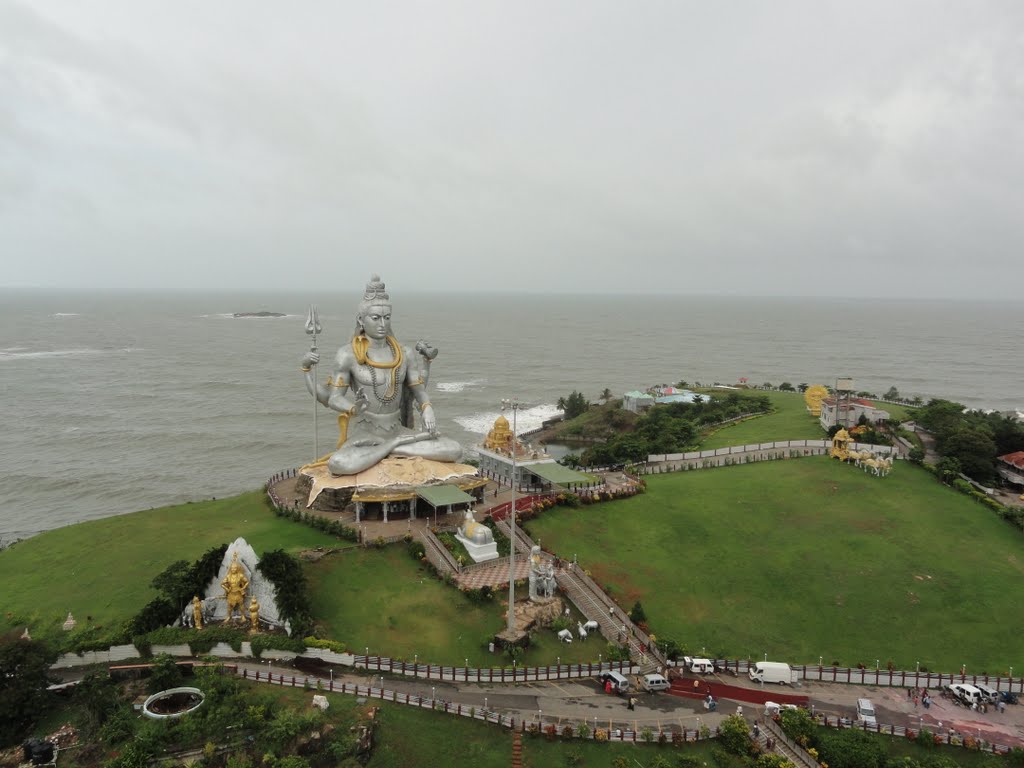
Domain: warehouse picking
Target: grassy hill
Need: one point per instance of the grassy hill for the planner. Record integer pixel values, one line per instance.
(806, 558)
(103, 568)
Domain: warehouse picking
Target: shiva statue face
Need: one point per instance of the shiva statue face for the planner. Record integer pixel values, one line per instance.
(376, 321)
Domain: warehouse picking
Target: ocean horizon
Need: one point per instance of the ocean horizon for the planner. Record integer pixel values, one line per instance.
(125, 400)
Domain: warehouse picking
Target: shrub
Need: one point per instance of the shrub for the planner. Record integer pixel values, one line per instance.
(415, 549)
(330, 645)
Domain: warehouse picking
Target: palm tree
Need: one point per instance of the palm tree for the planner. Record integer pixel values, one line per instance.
(606, 394)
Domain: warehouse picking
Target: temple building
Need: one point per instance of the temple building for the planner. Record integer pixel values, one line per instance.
(1011, 468)
(535, 470)
(847, 412)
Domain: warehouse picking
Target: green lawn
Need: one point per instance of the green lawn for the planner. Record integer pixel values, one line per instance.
(806, 558)
(397, 607)
(104, 568)
(790, 421)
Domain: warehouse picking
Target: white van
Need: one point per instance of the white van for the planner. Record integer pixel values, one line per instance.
(772, 672)
(654, 683)
(865, 712)
(991, 695)
(967, 693)
(699, 666)
(620, 683)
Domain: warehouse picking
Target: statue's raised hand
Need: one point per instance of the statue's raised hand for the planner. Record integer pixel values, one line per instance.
(310, 359)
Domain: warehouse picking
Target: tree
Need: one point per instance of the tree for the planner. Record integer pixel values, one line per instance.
(175, 583)
(570, 460)
(734, 735)
(767, 385)
(165, 674)
(24, 676)
(637, 614)
(949, 468)
(976, 451)
(891, 394)
(773, 761)
(574, 405)
(786, 387)
(798, 725)
(606, 395)
(803, 386)
(98, 697)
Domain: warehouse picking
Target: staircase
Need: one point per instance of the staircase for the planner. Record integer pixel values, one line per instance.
(517, 750)
(785, 746)
(594, 603)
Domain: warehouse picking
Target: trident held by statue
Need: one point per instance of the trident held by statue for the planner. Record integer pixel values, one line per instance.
(313, 328)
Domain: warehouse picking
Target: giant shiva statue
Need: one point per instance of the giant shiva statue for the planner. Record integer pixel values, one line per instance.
(378, 388)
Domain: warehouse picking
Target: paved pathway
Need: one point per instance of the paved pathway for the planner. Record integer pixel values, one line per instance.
(576, 700)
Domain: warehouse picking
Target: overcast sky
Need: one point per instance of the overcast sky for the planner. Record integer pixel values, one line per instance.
(762, 148)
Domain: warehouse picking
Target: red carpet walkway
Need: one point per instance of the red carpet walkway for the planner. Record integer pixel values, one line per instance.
(685, 687)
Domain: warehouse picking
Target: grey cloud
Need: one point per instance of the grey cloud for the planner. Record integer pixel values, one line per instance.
(723, 149)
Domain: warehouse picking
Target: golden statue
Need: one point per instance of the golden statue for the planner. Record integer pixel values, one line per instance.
(197, 612)
(813, 396)
(235, 584)
(254, 615)
(841, 445)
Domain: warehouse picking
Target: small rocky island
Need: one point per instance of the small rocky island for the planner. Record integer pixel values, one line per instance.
(259, 314)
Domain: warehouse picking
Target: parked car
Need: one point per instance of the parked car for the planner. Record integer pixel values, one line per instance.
(990, 695)
(698, 666)
(654, 683)
(1009, 698)
(966, 693)
(865, 712)
(620, 683)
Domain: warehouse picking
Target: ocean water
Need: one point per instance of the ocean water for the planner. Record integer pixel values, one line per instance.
(114, 403)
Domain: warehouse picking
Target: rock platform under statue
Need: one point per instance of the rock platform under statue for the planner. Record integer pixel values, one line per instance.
(530, 615)
(395, 477)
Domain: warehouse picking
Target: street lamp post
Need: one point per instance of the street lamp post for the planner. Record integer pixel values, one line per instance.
(514, 405)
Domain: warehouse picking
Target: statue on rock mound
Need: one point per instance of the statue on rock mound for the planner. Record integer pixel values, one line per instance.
(378, 387)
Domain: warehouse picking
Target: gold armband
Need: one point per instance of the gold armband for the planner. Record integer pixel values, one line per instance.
(423, 407)
(305, 370)
(340, 383)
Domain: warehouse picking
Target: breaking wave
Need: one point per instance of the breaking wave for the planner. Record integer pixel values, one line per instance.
(527, 419)
(455, 386)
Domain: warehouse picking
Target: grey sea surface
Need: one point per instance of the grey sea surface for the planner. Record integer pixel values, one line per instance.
(114, 403)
